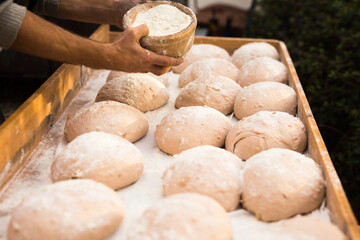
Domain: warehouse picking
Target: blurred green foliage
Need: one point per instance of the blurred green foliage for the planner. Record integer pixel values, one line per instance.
(323, 38)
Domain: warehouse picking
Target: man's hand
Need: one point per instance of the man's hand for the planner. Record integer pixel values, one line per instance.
(127, 54)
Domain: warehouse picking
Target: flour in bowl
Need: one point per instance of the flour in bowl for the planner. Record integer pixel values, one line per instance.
(163, 20)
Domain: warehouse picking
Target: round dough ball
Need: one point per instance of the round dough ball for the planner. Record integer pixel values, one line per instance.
(265, 96)
(107, 116)
(250, 51)
(200, 52)
(189, 127)
(287, 183)
(206, 170)
(207, 68)
(103, 157)
(217, 92)
(189, 216)
(263, 69)
(74, 209)
(265, 130)
(115, 74)
(137, 90)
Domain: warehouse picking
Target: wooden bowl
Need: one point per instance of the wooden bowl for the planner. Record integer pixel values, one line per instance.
(175, 45)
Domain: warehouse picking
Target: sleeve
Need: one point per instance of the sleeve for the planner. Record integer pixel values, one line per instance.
(11, 17)
(47, 7)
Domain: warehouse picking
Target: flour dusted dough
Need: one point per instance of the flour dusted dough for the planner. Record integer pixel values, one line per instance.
(137, 90)
(114, 74)
(103, 157)
(201, 52)
(265, 96)
(287, 183)
(263, 69)
(217, 92)
(107, 116)
(250, 51)
(207, 68)
(265, 130)
(189, 127)
(206, 170)
(189, 216)
(74, 209)
(163, 20)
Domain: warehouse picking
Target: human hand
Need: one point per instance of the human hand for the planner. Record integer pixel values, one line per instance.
(121, 7)
(126, 54)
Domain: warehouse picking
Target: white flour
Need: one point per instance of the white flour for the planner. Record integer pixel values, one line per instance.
(163, 20)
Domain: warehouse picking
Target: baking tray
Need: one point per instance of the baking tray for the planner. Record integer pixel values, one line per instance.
(22, 132)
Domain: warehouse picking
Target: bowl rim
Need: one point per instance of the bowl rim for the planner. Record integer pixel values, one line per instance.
(188, 30)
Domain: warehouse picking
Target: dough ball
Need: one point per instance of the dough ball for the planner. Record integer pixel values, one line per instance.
(265, 96)
(103, 157)
(189, 216)
(137, 90)
(189, 127)
(250, 51)
(74, 209)
(115, 74)
(207, 68)
(107, 116)
(200, 52)
(263, 69)
(206, 170)
(287, 183)
(265, 130)
(217, 92)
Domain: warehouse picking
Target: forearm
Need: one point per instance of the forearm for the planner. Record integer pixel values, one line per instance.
(92, 11)
(44, 39)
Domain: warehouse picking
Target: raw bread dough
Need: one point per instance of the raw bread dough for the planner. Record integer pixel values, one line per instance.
(263, 69)
(75, 209)
(280, 183)
(200, 52)
(206, 170)
(137, 90)
(265, 96)
(163, 78)
(103, 157)
(107, 116)
(163, 20)
(217, 92)
(250, 51)
(189, 127)
(189, 216)
(265, 130)
(207, 68)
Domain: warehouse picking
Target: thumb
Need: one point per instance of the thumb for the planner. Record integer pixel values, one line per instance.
(140, 31)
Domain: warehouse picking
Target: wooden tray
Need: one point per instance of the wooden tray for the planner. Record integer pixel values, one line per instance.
(22, 131)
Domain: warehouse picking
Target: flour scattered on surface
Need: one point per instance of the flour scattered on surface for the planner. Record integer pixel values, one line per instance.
(163, 20)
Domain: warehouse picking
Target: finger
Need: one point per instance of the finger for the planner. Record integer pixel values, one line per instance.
(139, 31)
(164, 60)
(159, 70)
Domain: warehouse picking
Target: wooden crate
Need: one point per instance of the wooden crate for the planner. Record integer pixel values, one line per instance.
(21, 133)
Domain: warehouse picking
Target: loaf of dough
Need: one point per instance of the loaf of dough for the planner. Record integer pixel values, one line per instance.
(265, 130)
(263, 69)
(189, 216)
(137, 90)
(107, 116)
(265, 96)
(287, 183)
(250, 51)
(217, 92)
(201, 170)
(207, 68)
(189, 127)
(200, 52)
(103, 157)
(163, 78)
(75, 209)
